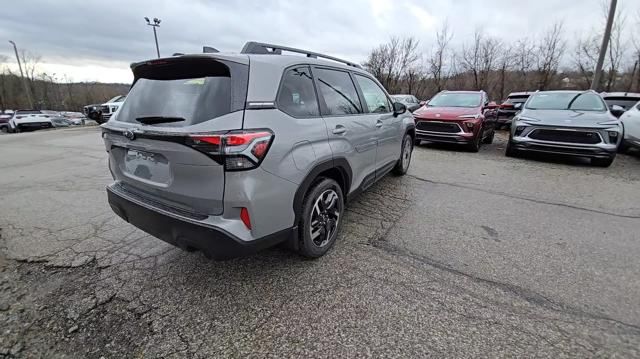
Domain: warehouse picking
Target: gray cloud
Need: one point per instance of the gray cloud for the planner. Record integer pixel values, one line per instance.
(113, 33)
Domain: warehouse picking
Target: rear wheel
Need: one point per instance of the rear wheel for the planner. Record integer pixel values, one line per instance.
(4, 129)
(602, 162)
(321, 218)
(405, 156)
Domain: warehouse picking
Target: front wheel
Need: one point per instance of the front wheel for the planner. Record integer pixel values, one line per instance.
(474, 145)
(489, 139)
(511, 152)
(402, 166)
(321, 218)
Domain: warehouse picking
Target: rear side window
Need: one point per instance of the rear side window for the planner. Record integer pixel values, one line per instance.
(377, 101)
(338, 92)
(297, 97)
(197, 90)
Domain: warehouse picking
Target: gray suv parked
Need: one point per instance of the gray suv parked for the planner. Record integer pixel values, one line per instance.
(233, 153)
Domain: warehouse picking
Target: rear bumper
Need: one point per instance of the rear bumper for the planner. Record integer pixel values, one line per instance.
(601, 150)
(187, 234)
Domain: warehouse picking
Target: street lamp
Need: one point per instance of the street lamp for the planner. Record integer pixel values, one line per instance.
(154, 24)
(24, 80)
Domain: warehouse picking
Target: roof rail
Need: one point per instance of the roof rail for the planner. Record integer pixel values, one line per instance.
(259, 48)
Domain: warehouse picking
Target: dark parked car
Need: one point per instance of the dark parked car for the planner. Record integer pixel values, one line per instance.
(626, 100)
(410, 101)
(464, 117)
(510, 107)
(566, 122)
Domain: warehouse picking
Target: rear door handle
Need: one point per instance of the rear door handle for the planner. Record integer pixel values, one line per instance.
(339, 130)
(379, 124)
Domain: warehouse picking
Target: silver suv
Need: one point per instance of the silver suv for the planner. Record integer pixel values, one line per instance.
(233, 153)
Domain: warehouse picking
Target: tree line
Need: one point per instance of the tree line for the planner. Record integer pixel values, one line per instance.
(543, 61)
(49, 91)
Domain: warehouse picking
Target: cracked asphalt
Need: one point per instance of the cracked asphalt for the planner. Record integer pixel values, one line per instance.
(470, 255)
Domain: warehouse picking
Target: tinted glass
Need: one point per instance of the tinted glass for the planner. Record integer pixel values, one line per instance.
(566, 101)
(624, 102)
(338, 92)
(194, 99)
(377, 101)
(449, 99)
(297, 96)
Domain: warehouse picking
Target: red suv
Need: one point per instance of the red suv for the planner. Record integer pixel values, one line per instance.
(464, 117)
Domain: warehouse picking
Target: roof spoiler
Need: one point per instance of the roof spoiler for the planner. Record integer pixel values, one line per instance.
(258, 48)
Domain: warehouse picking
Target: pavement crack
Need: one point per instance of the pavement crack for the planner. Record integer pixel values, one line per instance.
(524, 198)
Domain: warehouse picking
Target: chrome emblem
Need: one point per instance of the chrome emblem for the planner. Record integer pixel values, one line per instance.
(437, 115)
(129, 134)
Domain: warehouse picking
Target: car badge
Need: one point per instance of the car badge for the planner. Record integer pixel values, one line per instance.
(129, 134)
(437, 115)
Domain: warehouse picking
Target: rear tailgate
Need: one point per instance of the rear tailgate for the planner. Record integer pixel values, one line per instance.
(157, 161)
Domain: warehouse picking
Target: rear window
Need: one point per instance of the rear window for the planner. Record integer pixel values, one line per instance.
(624, 102)
(297, 97)
(28, 112)
(197, 90)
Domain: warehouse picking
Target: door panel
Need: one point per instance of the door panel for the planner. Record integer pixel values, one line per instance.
(388, 126)
(351, 133)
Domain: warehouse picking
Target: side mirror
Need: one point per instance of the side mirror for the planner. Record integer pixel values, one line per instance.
(399, 108)
(424, 103)
(617, 110)
(491, 105)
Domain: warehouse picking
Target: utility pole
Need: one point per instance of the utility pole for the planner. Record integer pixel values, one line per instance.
(24, 80)
(605, 43)
(156, 23)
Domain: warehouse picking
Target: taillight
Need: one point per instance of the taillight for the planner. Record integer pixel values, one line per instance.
(238, 151)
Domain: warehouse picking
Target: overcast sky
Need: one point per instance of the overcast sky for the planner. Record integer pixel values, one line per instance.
(96, 40)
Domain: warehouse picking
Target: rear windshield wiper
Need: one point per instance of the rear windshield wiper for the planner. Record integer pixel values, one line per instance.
(150, 120)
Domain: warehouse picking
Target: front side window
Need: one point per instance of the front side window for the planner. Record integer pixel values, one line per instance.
(297, 97)
(338, 92)
(375, 98)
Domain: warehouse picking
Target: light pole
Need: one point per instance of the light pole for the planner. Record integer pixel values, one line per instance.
(24, 80)
(605, 43)
(156, 23)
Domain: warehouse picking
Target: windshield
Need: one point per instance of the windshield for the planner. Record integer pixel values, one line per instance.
(456, 100)
(566, 101)
(194, 99)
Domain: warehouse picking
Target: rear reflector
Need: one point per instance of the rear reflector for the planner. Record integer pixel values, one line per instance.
(244, 216)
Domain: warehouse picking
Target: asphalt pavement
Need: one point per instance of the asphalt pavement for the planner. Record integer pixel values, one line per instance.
(469, 255)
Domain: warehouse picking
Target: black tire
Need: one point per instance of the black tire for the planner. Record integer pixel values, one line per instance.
(511, 152)
(602, 162)
(623, 147)
(489, 139)
(4, 129)
(474, 145)
(402, 166)
(317, 247)
(417, 142)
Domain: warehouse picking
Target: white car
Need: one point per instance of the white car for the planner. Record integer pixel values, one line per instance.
(29, 120)
(631, 124)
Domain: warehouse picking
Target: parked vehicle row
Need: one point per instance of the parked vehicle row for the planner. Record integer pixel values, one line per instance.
(101, 113)
(229, 153)
(31, 120)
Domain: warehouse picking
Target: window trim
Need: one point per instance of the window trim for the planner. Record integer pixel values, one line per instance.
(323, 104)
(315, 90)
(360, 93)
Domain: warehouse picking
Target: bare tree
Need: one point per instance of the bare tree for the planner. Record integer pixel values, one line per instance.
(617, 45)
(524, 59)
(585, 57)
(505, 62)
(391, 62)
(550, 51)
(479, 58)
(437, 60)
